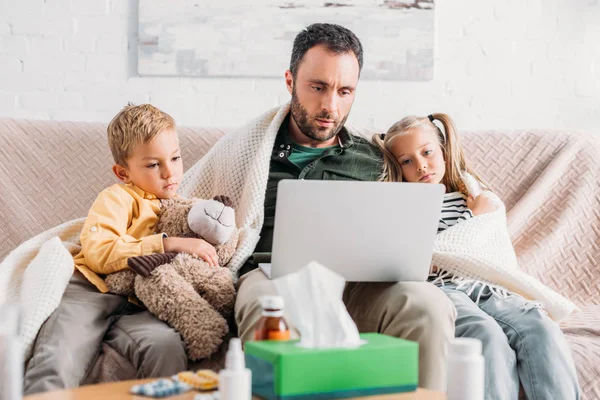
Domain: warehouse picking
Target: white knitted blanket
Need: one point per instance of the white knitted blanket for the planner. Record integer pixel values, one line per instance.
(480, 249)
(238, 166)
(36, 273)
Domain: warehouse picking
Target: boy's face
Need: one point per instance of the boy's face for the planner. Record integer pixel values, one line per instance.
(154, 167)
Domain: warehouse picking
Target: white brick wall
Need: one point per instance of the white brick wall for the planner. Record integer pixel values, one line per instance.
(499, 64)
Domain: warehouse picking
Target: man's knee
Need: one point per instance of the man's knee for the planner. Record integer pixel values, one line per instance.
(247, 305)
(247, 315)
(436, 304)
(423, 314)
(430, 304)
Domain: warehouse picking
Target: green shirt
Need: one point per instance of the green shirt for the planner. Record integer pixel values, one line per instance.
(355, 159)
(301, 156)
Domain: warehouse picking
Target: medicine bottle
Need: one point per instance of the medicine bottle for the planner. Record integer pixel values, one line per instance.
(271, 326)
(466, 370)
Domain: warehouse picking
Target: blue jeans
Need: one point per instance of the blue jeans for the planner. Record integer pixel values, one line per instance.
(520, 342)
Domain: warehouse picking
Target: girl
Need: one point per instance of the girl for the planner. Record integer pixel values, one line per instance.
(520, 342)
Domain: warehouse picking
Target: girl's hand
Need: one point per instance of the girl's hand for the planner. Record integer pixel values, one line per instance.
(481, 204)
(197, 247)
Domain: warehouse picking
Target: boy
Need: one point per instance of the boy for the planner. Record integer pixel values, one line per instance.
(119, 225)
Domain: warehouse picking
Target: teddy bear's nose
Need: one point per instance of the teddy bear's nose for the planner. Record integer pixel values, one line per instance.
(219, 212)
(212, 221)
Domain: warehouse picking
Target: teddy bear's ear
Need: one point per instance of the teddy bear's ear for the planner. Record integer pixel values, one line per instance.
(212, 220)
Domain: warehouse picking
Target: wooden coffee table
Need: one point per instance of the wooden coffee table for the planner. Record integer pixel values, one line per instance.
(120, 391)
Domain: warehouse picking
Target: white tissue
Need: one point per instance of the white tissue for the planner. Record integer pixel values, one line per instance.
(313, 300)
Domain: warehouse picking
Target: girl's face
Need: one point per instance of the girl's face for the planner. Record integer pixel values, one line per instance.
(420, 156)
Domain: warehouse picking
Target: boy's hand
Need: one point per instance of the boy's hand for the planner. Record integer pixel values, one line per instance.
(480, 205)
(197, 247)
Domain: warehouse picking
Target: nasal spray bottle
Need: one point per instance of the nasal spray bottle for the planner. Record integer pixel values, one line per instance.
(235, 381)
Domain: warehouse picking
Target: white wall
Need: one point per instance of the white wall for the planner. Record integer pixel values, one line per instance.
(499, 64)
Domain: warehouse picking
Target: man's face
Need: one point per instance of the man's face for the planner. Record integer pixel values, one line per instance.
(323, 92)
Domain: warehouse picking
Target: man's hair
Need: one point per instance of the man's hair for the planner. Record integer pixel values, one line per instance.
(135, 125)
(335, 38)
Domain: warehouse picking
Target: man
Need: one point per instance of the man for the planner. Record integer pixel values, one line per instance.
(308, 140)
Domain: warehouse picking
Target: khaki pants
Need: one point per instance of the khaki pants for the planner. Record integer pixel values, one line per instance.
(416, 311)
(68, 343)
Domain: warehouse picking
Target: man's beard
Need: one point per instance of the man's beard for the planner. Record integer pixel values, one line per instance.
(308, 128)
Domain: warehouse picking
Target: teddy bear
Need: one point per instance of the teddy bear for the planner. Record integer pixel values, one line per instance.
(182, 289)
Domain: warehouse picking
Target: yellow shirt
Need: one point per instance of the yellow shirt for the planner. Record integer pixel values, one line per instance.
(120, 224)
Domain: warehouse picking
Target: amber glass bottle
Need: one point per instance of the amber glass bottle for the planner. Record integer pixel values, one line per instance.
(271, 326)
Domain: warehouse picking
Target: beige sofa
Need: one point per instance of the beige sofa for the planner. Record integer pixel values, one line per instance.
(50, 172)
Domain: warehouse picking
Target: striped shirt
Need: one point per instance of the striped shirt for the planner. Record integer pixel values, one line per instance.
(454, 210)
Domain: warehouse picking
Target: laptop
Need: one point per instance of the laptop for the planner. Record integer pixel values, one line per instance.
(364, 231)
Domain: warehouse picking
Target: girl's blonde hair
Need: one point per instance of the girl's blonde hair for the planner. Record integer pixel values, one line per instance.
(135, 125)
(448, 140)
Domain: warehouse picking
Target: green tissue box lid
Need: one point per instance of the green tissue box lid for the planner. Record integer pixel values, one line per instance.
(383, 362)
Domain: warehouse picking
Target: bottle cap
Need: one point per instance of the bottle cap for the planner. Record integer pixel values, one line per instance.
(464, 347)
(271, 302)
(234, 360)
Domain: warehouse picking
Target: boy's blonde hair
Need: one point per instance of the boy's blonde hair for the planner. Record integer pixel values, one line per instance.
(448, 140)
(135, 125)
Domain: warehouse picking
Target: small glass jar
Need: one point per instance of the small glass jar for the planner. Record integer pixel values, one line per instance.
(271, 326)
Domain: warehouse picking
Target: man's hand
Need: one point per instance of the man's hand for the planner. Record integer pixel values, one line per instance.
(224, 199)
(197, 247)
(481, 204)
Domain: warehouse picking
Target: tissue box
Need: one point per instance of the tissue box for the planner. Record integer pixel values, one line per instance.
(283, 370)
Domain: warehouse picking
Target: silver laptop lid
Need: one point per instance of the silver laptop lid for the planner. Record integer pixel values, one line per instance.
(365, 231)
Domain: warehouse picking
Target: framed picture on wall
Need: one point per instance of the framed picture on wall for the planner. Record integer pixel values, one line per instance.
(235, 38)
